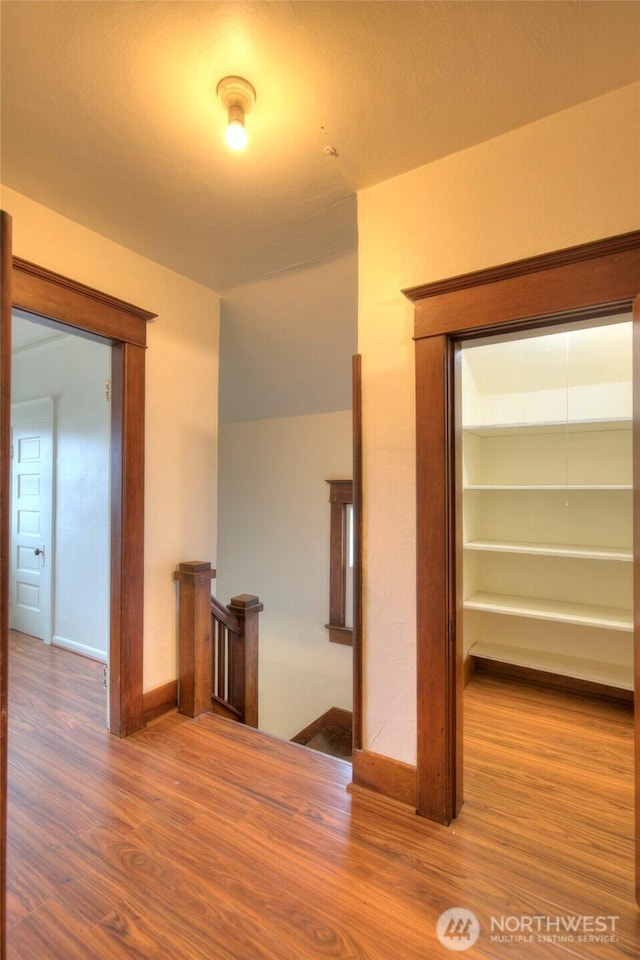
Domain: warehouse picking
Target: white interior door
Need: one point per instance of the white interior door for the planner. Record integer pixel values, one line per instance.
(31, 517)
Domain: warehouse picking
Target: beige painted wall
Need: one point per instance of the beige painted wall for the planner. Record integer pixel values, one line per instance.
(181, 396)
(273, 541)
(564, 180)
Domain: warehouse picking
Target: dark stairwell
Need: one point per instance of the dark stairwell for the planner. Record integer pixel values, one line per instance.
(330, 733)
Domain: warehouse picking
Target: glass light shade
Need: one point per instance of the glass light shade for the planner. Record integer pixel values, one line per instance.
(236, 135)
(237, 97)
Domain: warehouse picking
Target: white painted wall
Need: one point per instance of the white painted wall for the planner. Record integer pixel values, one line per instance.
(517, 382)
(565, 180)
(181, 402)
(286, 342)
(73, 371)
(273, 541)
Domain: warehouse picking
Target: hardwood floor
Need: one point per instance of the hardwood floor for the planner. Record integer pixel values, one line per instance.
(202, 838)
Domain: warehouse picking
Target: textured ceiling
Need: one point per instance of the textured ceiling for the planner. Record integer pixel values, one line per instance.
(109, 115)
(109, 111)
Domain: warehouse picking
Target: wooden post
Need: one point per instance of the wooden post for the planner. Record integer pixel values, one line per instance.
(194, 637)
(5, 551)
(246, 608)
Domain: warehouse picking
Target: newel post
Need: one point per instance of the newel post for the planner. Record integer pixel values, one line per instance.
(245, 695)
(194, 637)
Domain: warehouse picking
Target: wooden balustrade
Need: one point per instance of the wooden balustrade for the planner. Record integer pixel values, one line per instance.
(218, 648)
(235, 658)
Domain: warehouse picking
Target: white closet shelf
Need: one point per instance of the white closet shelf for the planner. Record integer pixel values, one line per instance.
(578, 551)
(548, 486)
(583, 614)
(548, 426)
(612, 674)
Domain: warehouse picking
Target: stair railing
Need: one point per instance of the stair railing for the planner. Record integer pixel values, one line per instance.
(218, 648)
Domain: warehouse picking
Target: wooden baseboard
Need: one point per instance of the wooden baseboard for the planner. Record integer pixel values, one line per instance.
(468, 669)
(483, 666)
(383, 775)
(159, 701)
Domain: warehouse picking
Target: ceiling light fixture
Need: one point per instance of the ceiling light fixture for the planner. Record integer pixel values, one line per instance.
(237, 97)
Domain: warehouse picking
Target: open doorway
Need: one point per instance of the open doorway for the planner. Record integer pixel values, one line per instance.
(547, 512)
(274, 539)
(94, 315)
(545, 559)
(60, 504)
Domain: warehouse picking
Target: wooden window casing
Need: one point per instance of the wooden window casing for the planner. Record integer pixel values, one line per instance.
(340, 496)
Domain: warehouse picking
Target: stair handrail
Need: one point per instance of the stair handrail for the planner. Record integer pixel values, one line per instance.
(218, 648)
(222, 613)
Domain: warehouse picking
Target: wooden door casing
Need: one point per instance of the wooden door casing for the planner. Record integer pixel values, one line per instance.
(438, 676)
(597, 279)
(636, 570)
(5, 510)
(92, 313)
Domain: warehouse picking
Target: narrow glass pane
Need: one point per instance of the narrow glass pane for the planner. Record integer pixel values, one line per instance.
(348, 612)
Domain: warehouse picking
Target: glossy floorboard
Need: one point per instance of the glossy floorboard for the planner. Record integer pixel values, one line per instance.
(205, 840)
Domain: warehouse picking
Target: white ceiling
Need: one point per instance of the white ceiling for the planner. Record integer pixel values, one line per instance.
(109, 110)
(26, 332)
(109, 115)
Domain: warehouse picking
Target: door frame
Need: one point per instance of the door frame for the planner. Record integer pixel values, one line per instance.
(89, 312)
(5, 510)
(592, 280)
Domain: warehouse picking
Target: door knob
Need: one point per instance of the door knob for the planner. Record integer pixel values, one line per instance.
(39, 552)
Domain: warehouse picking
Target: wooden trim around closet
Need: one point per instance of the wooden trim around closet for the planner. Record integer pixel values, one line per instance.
(356, 495)
(593, 280)
(436, 671)
(636, 569)
(518, 268)
(588, 279)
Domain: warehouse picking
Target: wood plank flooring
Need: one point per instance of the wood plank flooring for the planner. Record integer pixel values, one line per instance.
(203, 839)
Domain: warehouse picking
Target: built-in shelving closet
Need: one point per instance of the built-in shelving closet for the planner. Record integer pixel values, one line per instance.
(547, 501)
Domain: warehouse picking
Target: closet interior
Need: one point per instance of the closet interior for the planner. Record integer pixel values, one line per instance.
(546, 481)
